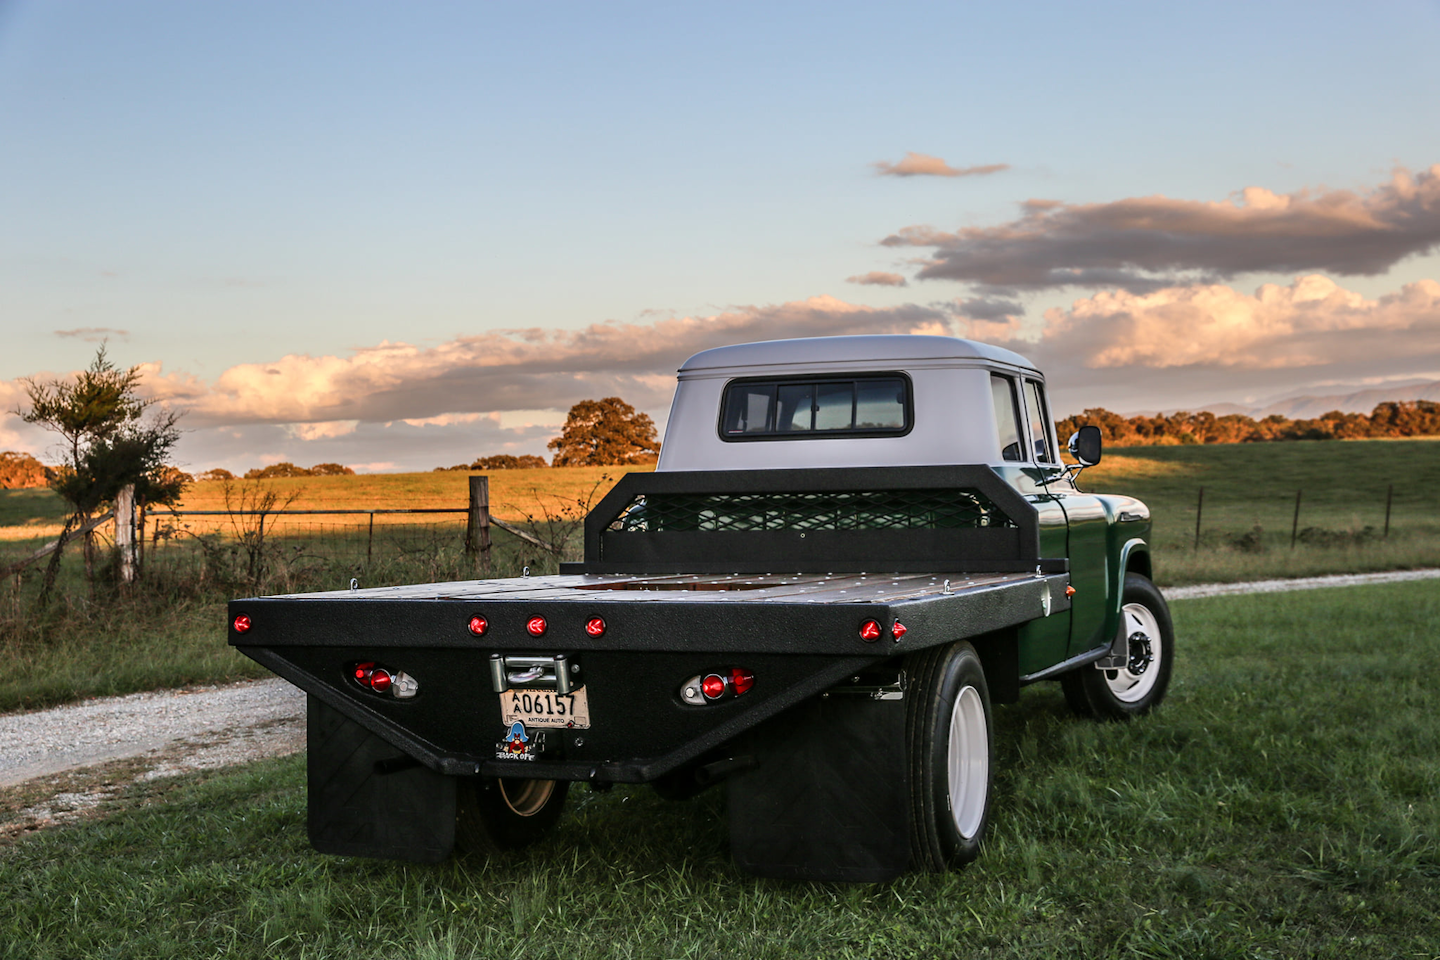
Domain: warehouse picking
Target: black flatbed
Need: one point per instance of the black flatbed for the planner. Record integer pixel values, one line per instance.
(763, 613)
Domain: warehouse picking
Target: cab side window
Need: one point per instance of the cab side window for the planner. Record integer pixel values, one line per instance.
(1007, 417)
(1039, 419)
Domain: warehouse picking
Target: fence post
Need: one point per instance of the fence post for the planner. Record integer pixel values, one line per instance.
(139, 541)
(370, 539)
(1389, 496)
(125, 531)
(1199, 506)
(1295, 525)
(477, 528)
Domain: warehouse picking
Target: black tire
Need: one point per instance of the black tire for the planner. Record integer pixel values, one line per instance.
(1141, 686)
(495, 814)
(949, 802)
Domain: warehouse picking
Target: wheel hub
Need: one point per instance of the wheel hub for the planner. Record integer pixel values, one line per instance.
(1141, 655)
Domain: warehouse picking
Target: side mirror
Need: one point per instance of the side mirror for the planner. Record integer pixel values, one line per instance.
(1085, 445)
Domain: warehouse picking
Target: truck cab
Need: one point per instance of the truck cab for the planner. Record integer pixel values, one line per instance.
(906, 400)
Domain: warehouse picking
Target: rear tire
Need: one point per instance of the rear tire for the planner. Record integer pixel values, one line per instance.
(494, 814)
(1140, 686)
(950, 742)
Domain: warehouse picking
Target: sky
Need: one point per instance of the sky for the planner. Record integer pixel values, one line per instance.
(400, 236)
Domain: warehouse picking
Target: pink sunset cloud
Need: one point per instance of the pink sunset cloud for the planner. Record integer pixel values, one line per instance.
(924, 165)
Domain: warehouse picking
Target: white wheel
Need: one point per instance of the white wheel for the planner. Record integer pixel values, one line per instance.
(968, 763)
(947, 726)
(1140, 685)
(1133, 682)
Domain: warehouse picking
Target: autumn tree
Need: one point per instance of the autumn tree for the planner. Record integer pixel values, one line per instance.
(1405, 418)
(18, 470)
(605, 432)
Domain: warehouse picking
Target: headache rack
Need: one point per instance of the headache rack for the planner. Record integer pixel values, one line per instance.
(903, 519)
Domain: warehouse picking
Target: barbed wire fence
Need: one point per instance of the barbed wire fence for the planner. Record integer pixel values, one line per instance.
(270, 544)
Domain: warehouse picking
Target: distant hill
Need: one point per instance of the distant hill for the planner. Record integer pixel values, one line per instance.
(1309, 406)
(1361, 401)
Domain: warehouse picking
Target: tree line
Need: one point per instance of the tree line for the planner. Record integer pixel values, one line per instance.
(1392, 419)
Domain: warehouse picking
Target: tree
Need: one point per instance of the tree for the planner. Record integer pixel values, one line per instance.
(109, 446)
(500, 461)
(605, 432)
(288, 469)
(19, 470)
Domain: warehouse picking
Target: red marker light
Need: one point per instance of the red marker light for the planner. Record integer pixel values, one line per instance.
(741, 681)
(870, 631)
(478, 626)
(713, 687)
(380, 680)
(536, 626)
(898, 631)
(595, 627)
(242, 624)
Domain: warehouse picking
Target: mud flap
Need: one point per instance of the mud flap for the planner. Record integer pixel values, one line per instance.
(367, 799)
(828, 798)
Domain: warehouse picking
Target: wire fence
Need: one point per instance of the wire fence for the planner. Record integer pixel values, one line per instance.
(349, 536)
(290, 548)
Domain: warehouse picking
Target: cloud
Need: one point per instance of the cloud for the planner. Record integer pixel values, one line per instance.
(1147, 243)
(94, 334)
(506, 369)
(924, 165)
(879, 278)
(982, 308)
(1185, 345)
(1310, 323)
(321, 431)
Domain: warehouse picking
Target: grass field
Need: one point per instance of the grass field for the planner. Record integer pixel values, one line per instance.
(171, 630)
(1248, 511)
(1284, 802)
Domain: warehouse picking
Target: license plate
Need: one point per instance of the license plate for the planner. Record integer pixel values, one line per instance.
(545, 708)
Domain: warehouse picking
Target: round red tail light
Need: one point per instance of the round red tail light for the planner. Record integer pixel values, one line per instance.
(741, 681)
(713, 687)
(478, 626)
(536, 626)
(242, 624)
(380, 681)
(595, 627)
(870, 631)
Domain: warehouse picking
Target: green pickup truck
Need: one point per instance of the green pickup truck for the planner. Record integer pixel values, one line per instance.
(850, 550)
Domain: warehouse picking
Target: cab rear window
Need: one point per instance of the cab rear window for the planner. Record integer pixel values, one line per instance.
(816, 407)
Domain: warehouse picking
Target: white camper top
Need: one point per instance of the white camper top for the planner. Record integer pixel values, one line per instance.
(952, 417)
(830, 351)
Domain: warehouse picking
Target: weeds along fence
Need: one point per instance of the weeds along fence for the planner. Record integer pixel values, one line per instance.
(272, 546)
(1280, 518)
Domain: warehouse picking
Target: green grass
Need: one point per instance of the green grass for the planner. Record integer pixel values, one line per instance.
(97, 643)
(31, 505)
(1282, 803)
(1342, 485)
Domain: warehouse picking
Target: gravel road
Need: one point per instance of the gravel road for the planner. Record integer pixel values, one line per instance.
(205, 727)
(223, 724)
